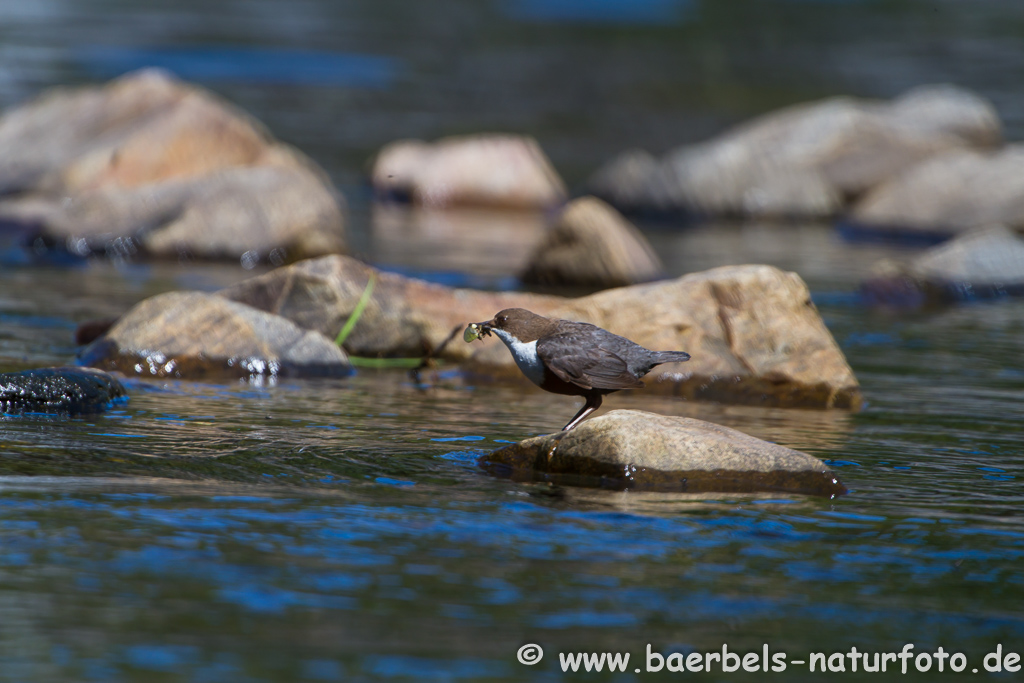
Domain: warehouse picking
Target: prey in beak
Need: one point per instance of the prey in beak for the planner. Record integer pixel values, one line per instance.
(476, 331)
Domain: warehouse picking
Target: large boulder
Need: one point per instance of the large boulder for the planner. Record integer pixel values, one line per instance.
(592, 245)
(59, 391)
(195, 335)
(806, 160)
(152, 165)
(506, 171)
(639, 450)
(985, 263)
(950, 193)
(753, 332)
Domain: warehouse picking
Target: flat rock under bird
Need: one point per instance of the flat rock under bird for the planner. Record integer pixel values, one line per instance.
(577, 359)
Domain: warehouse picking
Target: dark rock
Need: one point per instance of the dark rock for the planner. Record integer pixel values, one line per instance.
(806, 160)
(196, 335)
(508, 171)
(58, 391)
(147, 165)
(983, 264)
(638, 450)
(753, 332)
(592, 245)
(91, 330)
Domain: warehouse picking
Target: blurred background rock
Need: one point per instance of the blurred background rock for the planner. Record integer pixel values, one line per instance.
(587, 81)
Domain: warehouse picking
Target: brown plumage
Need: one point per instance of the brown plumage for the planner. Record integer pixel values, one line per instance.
(577, 359)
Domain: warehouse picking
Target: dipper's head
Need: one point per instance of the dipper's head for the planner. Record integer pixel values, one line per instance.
(517, 324)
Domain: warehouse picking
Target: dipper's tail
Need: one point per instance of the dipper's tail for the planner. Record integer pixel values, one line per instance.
(670, 357)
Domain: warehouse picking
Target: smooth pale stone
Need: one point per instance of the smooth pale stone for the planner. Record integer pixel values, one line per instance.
(641, 450)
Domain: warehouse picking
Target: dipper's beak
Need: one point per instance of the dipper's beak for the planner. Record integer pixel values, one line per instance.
(476, 331)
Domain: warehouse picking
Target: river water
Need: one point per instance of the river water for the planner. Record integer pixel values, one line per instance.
(341, 530)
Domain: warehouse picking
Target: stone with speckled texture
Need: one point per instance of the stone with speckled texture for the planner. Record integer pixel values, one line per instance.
(59, 391)
(194, 334)
(636, 449)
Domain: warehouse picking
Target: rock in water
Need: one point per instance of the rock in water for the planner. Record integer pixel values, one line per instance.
(58, 391)
(260, 213)
(949, 194)
(753, 331)
(404, 317)
(806, 160)
(148, 165)
(592, 245)
(754, 335)
(639, 450)
(195, 335)
(506, 171)
(982, 264)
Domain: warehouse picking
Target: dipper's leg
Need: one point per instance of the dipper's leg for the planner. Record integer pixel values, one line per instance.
(592, 404)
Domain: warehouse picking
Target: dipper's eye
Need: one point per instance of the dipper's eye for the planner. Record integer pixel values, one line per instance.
(502, 319)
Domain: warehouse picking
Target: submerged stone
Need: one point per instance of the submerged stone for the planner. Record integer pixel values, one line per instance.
(632, 449)
(58, 391)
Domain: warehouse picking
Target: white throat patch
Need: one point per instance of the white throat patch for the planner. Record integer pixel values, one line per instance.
(525, 356)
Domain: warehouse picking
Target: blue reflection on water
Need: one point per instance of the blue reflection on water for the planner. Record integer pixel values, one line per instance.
(599, 11)
(247, 65)
(299, 555)
(394, 482)
(160, 657)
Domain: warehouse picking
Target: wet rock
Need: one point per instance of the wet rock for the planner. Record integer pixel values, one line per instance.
(639, 450)
(404, 317)
(149, 165)
(195, 335)
(753, 332)
(950, 193)
(58, 391)
(507, 171)
(592, 245)
(807, 160)
(981, 264)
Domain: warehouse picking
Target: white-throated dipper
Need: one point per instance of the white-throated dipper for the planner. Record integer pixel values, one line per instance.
(577, 359)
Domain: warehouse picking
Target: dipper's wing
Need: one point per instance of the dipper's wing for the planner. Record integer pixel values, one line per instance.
(575, 359)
